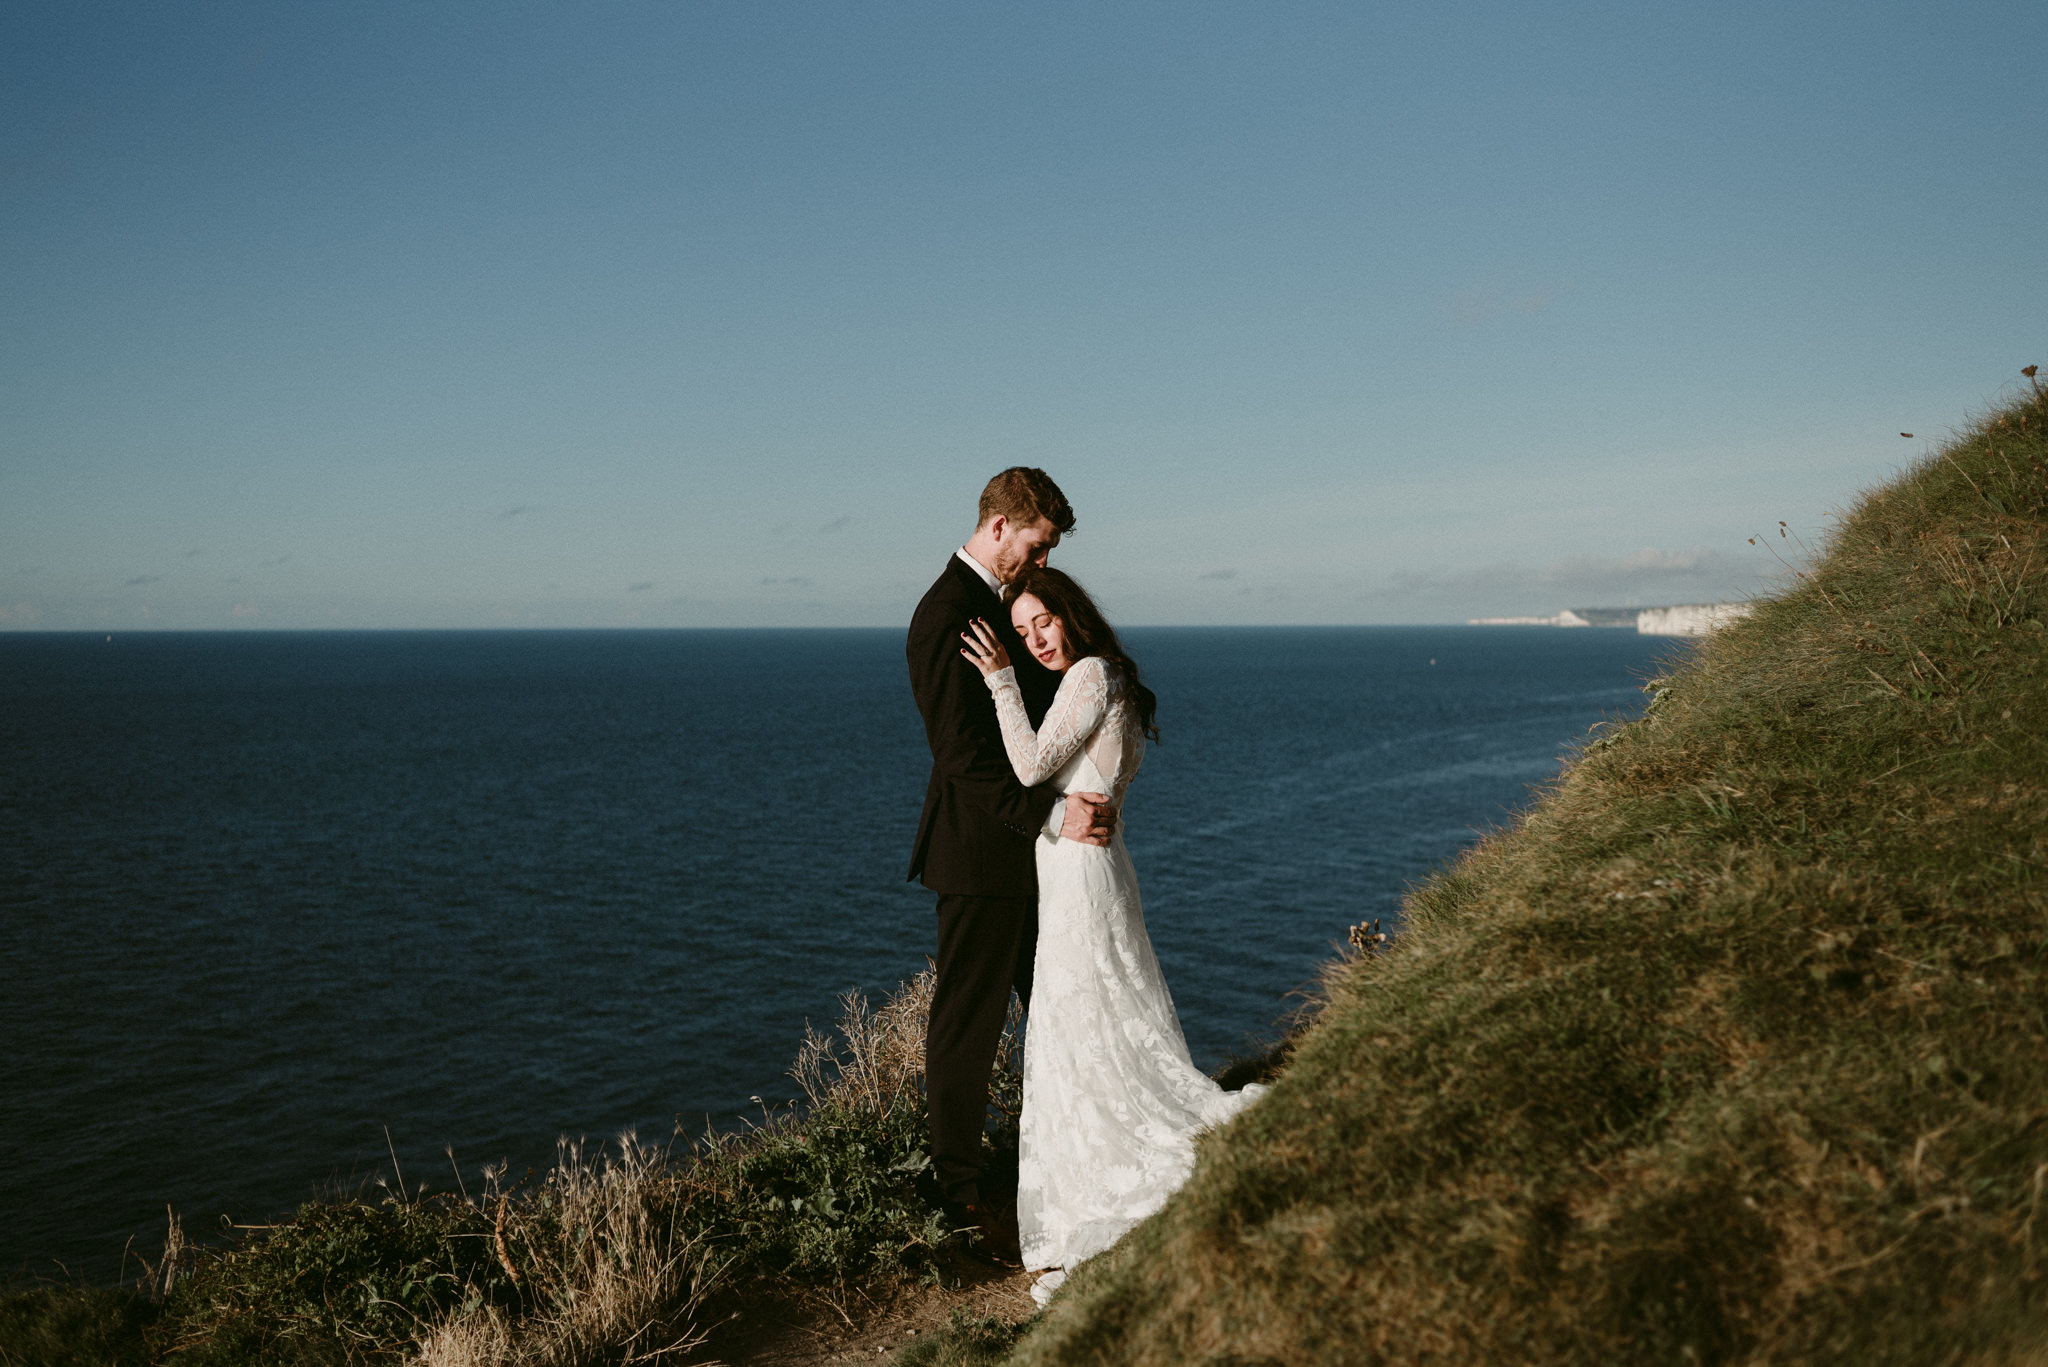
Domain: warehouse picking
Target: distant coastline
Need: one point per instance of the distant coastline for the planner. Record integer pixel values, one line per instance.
(1681, 619)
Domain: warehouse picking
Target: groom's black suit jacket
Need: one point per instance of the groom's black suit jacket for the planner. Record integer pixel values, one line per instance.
(975, 836)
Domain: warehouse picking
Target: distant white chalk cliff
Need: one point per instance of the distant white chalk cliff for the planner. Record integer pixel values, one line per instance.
(1689, 619)
(1684, 619)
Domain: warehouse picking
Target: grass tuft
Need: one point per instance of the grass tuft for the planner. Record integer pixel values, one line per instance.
(966, 1341)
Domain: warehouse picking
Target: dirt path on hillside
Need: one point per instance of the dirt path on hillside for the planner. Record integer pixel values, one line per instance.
(865, 1325)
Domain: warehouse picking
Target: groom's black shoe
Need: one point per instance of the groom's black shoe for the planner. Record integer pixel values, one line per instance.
(992, 1233)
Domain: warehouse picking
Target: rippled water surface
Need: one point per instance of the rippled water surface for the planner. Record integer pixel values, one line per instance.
(266, 895)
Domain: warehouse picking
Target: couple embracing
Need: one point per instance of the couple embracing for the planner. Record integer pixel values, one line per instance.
(1037, 723)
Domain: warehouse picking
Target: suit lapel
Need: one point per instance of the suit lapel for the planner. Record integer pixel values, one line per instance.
(975, 583)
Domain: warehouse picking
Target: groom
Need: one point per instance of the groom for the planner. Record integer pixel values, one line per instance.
(975, 839)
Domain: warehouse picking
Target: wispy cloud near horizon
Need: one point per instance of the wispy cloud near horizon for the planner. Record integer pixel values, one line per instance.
(1632, 580)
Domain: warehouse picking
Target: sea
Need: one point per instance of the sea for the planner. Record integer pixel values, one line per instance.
(282, 910)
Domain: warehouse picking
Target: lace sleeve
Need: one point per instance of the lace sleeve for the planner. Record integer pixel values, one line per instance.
(1078, 709)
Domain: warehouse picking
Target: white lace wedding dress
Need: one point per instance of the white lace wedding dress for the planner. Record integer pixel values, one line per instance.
(1112, 1101)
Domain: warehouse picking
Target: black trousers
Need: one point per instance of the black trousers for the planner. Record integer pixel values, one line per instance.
(985, 950)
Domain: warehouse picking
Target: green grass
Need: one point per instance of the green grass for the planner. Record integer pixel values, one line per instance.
(1733, 1049)
(74, 1326)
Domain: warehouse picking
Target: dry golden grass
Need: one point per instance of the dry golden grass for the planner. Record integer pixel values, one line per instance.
(599, 1252)
(874, 1062)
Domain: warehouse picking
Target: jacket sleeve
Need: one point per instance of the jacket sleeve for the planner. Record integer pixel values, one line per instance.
(960, 725)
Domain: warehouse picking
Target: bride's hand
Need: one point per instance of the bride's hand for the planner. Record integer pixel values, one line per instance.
(984, 648)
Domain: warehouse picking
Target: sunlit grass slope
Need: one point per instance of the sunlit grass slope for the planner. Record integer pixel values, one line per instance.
(1735, 1049)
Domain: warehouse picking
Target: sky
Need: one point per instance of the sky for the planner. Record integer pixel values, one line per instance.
(447, 315)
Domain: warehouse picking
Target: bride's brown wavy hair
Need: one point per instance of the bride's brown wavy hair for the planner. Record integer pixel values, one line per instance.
(1087, 631)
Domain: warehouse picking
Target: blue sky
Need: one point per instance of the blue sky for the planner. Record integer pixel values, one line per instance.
(447, 315)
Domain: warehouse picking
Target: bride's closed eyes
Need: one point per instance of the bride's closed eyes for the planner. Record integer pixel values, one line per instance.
(1043, 632)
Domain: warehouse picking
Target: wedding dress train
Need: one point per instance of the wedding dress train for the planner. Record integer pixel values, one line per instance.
(1112, 1101)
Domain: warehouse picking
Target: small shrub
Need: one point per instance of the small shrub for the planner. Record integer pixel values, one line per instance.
(339, 1281)
(835, 1195)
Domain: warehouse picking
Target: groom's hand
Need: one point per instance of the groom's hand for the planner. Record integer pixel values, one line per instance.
(1090, 819)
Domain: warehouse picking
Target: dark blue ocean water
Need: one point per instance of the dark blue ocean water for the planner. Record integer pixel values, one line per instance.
(265, 895)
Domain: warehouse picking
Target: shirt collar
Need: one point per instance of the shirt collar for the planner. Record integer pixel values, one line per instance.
(987, 576)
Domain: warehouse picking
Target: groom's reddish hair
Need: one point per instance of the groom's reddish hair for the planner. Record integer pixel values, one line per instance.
(1024, 494)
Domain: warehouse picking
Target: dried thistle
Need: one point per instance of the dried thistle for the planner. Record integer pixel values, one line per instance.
(1367, 938)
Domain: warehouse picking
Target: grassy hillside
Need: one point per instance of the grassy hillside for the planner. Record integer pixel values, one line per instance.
(1734, 1050)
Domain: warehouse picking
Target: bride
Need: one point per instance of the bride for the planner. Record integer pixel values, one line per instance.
(1112, 1101)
